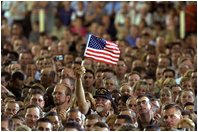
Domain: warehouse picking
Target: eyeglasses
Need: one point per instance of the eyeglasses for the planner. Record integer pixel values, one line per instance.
(172, 116)
(132, 105)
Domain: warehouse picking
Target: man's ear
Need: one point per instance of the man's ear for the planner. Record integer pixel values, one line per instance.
(68, 97)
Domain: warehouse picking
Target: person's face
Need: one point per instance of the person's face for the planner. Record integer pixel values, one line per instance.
(141, 90)
(187, 85)
(62, 48)
(194, 79)
(89, 123)
(45, 77)
(37, 99)
(164, 62)
(68, 58)
(119, 122)
(104, 103)
(30, 70)
(47, 63)
(171, 117)
(175, 56)
(133, 79)
(25, 58)
(3, 81)
(159, 73)
(165, 97)
(150, 84)
(16, 29)
(11, 109)
(44, 126)
(110, 84)
(175, 91)
(19, 83)
(75, 116)
(4, 126)
(59, 95)
(31, 116)
(88, 79)
(121, 67)
(17, 122)
(187, 96)
(143, 105)
(132, 104)
(55, 122)
(126, 90)
(168, 74)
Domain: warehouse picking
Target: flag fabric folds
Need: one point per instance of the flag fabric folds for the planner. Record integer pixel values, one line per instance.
(102, 50)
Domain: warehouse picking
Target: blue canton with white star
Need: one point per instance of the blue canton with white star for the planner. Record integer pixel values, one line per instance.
(96, 43)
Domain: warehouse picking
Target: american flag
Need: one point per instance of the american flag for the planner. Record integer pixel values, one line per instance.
(102, 50)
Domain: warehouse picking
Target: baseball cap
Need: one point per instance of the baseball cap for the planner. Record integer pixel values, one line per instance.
(103, 93)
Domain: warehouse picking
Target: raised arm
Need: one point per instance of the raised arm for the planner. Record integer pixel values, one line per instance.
(80, 94)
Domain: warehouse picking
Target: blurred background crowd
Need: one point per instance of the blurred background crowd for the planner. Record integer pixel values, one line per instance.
(45, 85)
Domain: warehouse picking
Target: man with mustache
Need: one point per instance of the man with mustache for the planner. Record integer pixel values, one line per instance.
(62, 97)
(103, 98)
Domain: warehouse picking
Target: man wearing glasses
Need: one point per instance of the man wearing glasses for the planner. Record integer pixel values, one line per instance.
(146, 115)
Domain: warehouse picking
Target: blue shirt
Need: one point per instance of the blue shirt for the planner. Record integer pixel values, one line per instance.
(131, 41)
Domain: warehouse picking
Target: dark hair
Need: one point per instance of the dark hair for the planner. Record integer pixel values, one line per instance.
(37, 92)
(124, 97)
(140, 96)
(127, 127)
(90, 71)
(188, 103)
(139, 69)
(101, 124)
(169, 70)
(6, 75)
(51, 113)
(71, 124)
(109, 70)
(152, 128)
(17, 75)
(185, 112)
(127, 118)
(43, 120)
(172, 105)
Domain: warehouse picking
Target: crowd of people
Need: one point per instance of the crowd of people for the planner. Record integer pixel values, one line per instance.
(47, 83)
